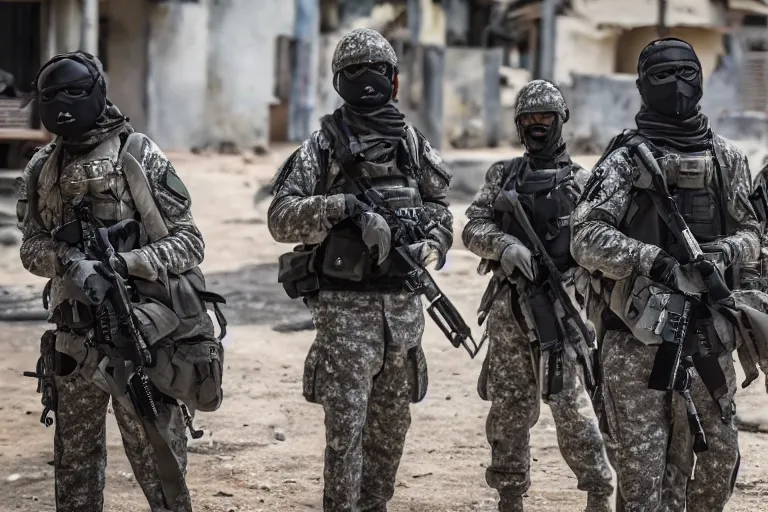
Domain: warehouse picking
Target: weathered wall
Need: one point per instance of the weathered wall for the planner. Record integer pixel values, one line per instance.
(707, 43)
(241, 68)
(602, 106)
(582, 48)
(127, 52)
(177, 74)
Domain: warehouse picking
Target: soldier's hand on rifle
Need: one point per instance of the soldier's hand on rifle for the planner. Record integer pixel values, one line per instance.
(663, 270)
(427, 252)
(91, 277)
(570, 189)
(353, 207)
(376, 234)
(713, 279)
(517, 256)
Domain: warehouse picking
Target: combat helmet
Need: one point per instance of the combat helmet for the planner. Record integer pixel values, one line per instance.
(541, 96)
(363, 46)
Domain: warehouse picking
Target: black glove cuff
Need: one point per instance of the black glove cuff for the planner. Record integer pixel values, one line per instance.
(662, 266)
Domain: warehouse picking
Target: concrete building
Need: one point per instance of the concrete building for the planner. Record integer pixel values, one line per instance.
(190, 73)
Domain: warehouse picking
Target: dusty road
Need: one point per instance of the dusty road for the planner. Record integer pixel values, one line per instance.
(240, 465)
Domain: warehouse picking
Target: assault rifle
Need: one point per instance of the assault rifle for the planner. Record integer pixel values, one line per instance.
(670, 357)
(44, 372)
(418, 280)
(509, 201)
(115, 330)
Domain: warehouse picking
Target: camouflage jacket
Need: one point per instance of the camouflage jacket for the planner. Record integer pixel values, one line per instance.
(296, 215)
(52, 180)
(482, 235)
(597, 244)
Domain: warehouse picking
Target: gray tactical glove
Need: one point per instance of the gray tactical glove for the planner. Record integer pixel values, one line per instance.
(517, 256)
(376, 233)
(569, 188)
(89, 276)
(427, 252)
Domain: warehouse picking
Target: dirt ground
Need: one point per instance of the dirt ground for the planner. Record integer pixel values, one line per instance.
(240, 465)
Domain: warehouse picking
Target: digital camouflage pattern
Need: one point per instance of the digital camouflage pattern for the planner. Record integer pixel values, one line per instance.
(509, 382)
(358, 370)
(363, 46)
(653, 461)
(511, 388)
(597, 244)
(540, 96)
(358, 367)
(44, 199)
(81, 451)
(650, 476)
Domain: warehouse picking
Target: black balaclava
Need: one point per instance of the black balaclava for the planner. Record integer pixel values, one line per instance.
(670, 84)
(71, 96)
(366, 86)
(541, 141)
(669, 78)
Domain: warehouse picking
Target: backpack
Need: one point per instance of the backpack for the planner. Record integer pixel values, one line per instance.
(187, 356)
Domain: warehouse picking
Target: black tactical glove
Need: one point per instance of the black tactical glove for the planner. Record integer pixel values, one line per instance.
(663, 270)
(569, 189)
(376, 234)
(90, 277)
(713, 279)
(518, 256)
(124, 236)
(353, 207)
(121, 268)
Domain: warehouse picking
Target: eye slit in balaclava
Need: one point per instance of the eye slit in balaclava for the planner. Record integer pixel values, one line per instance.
(366, 85)
(670, 79)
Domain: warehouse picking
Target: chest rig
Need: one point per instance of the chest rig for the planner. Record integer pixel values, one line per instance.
(547, 208)
(96, 177)
(695, 182)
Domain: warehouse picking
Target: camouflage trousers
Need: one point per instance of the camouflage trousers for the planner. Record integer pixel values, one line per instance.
(80, 445)
(365, 368)
(508, 381)
(650, 439)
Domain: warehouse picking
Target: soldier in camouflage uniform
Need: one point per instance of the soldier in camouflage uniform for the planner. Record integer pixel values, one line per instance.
(366, 365)
(82, 163)
(620, 237)
(547, 176)
(754, 275)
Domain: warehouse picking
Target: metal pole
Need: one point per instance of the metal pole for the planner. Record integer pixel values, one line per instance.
(89, 35)
(662, 27)
(413, 18)
(304, 76)
(547, 38)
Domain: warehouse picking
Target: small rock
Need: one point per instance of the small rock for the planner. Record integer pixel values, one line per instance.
(279, 434)
(260, 150)
(13, 477)
(127, 476)
(448, 397)
(222, 494)
(225, 457)
(265, 487)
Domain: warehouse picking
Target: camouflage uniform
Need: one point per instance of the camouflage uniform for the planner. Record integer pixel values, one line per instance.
(508, 378)
(363, 366)
(52, 180)
(651, 477)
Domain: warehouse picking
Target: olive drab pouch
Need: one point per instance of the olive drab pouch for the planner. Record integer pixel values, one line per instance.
(346, 256)
(296, 273)
(417, 369)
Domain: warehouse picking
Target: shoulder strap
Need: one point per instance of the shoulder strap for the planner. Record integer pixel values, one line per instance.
(136, 177)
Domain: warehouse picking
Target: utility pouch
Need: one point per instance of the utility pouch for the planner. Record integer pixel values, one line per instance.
(543, 311)
(296, 274)
(346, 256)
(417, 364)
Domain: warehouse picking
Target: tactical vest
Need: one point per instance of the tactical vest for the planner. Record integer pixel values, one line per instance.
(342, 260)
(695, 185)
(548, 209)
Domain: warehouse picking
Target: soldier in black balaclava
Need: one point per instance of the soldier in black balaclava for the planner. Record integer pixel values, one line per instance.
(549, 184)
(84, 166)
(623, 235)
(366, 365)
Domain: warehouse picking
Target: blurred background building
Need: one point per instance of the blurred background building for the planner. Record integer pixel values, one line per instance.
(236, 75)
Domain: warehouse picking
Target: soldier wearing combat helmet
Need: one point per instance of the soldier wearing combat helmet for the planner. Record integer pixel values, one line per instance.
(523, 313)
(366, 365)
